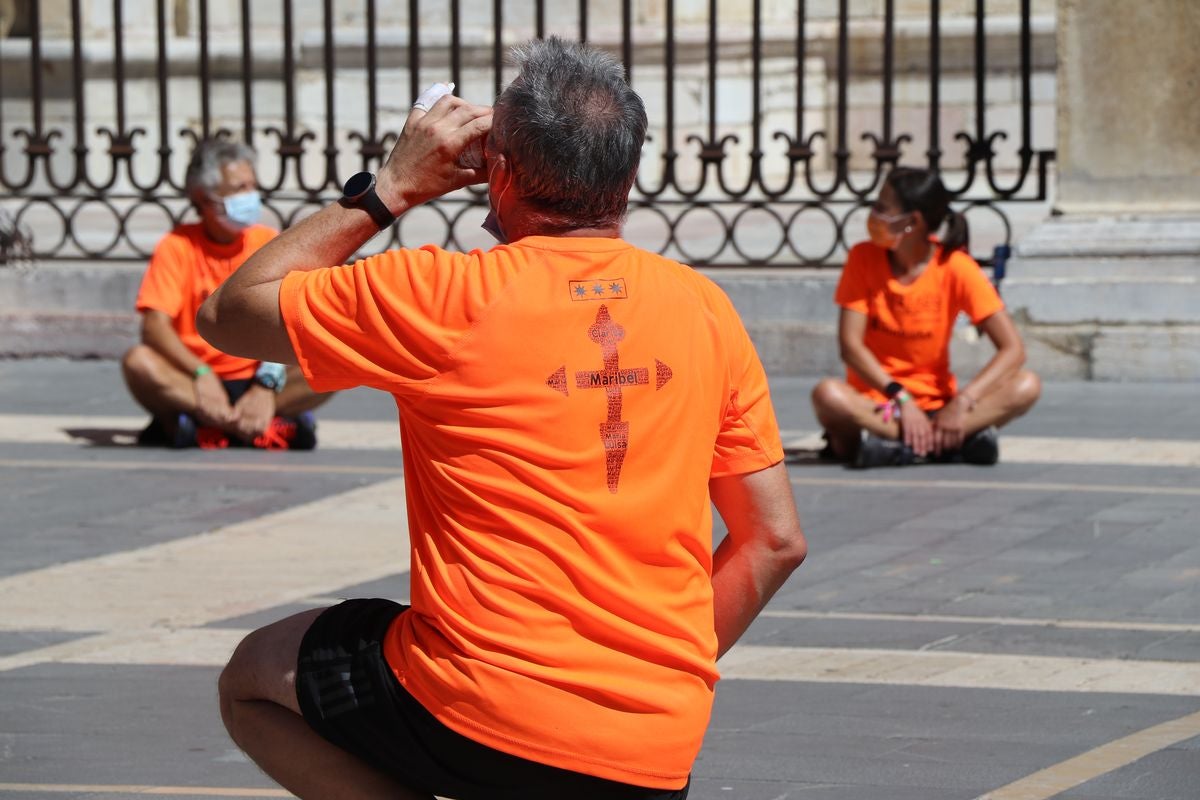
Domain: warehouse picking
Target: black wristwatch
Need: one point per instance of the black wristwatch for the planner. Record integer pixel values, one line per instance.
(892, 389)
(359, 192)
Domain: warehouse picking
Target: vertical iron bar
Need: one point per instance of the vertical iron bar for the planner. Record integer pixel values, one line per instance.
(164, 146)
(756, 93)
(889, 55)
(627, 38)
(372, 76)
(583, 20)
(119, 62)
(842, 154)
(669, 87)
(205, 99)
(35, 65)
(331, 149)
(497, 45)
(540, 18)
(456, 43)
(1026, 83)
(81, 148)
(289, 74)
(712, 71)
(980, 74)
(247, 77)
(801, 57)
(935, 99)
(414, 50)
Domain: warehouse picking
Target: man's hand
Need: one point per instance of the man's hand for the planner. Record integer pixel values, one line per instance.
(916, 429)
(212, 402)
(949, 426)
(423, 164)
(253, 411)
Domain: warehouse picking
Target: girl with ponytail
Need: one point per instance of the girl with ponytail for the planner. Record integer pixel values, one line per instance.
(900, 294)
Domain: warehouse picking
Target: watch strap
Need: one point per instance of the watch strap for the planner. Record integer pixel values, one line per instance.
(367, 199)
(378, 210)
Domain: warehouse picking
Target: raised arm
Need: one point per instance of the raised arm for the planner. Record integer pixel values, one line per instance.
(764, 545)
(242, 317)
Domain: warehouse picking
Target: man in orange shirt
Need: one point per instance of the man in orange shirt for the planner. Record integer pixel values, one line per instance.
(900, 295)
(569, 406)
(198, 394)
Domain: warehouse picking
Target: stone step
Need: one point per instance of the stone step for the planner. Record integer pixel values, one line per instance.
(1121, 323)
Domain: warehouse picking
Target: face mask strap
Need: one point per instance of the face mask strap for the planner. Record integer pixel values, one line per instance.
(491, 223)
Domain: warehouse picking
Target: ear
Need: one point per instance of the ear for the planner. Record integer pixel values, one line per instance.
(199, 198)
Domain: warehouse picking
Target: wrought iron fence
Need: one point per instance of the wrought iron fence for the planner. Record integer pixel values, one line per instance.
(90, 176)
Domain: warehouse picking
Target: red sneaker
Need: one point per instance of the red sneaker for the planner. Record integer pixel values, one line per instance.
(211, 439)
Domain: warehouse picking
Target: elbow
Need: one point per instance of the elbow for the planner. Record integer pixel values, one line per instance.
(1016, 355)
(789, 547)
(206, 321)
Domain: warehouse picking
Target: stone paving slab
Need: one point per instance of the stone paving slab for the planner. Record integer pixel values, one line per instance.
(1070, 566)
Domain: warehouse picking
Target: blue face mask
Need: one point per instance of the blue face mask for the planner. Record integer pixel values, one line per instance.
(244, 208)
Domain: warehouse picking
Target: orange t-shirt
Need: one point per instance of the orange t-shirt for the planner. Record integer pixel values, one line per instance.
(184, 270)
(563, 404)
(909, 327)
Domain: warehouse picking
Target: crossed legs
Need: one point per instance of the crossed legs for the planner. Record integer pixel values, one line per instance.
(261, 713)
(843, 412)
(164, 390)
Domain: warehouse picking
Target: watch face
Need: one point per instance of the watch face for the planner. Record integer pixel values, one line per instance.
(358, 185)
(267, 381)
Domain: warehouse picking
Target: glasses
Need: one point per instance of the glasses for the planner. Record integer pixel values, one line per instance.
(890, 219)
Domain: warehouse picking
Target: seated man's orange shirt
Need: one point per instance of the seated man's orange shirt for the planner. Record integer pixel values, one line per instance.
(564, 403)
(909, 327)
(184, 270)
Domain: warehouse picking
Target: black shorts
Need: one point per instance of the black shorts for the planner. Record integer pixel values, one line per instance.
(349, 695)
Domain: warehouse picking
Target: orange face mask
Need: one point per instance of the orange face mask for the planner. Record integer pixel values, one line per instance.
(879, 229)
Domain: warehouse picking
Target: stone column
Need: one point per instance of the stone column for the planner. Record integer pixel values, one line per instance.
(1111, 283)
(1129, 106)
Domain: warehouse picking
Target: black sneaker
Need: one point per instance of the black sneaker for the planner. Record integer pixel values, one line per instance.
(185, 432)
(876, 451)
(153, 435)
(982, 447)
(305, 437)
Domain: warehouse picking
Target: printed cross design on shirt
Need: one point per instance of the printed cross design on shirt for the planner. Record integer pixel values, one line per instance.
(613, 379)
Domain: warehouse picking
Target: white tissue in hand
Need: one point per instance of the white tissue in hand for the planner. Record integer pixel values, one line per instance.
(432, 95)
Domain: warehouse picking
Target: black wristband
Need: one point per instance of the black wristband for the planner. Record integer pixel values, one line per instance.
(892, 389)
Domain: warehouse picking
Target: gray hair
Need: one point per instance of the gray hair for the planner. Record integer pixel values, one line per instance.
(210, 155)
(573, 130)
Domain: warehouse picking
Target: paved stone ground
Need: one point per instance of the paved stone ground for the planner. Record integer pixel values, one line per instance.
(1025, 631)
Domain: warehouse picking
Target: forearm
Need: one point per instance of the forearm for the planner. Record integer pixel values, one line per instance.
(744, 578)
(1005, 362)
(243, 316)
(856, 356)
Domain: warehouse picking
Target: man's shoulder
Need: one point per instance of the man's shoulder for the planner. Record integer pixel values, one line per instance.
(180, 239)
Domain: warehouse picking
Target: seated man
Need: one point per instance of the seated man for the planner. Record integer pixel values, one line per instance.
(197, 394)
(569, 404)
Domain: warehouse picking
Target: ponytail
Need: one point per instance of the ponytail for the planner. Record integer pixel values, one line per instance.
(958, 235)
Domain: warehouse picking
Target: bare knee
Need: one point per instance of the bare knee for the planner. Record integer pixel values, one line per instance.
(139, 363)
(832, 402)
(235, 683)
(1027, 389)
